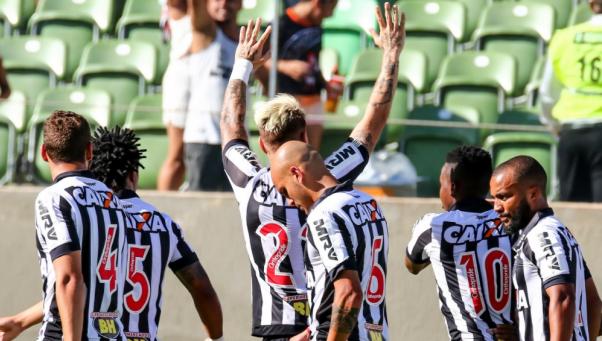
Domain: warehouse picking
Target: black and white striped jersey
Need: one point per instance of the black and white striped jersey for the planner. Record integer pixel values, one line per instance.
(78, 213)
(154, 242)
(547, 254)
(273, 236)
(347, 231)
(471, 254)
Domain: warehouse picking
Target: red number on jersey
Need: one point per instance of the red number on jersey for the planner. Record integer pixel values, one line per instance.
(107, 268)
(497, 281)
(271, 268)
(376, 283)
(136, 277)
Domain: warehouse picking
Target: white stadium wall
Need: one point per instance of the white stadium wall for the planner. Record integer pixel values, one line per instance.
(211, 224)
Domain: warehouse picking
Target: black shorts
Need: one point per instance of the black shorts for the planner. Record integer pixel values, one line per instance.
(204, 168)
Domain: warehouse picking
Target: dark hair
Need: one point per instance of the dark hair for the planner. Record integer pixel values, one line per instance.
(526, 170)
(66, 136)
(116, 155)
(473, 168)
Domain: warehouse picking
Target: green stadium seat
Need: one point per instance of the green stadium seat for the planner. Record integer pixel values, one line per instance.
(434, 28)
(140, 22)
(14, 109)
(253, 9)
(94, 105)
(75, 22)
(347, 30)
(427, 146)
(541, 146)
(479, 80)
(581, 13)
(532, 88)
(520, 29)
(521, 117)
(562, 10)
(145, 118)
(7, 150)
(14, 15)
(121, 67)
(412, 78)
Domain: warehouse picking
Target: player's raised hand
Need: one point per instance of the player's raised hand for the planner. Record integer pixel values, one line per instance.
(392, 33)
(9, 329)
(249, 46)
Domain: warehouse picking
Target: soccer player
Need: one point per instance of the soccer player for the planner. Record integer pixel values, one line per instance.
(154, 242)
(271, 227)
(556, 296)
(468, 248)
(347, 247)
(80, 230)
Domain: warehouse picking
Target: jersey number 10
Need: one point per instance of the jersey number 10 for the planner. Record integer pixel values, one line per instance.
(496, 280)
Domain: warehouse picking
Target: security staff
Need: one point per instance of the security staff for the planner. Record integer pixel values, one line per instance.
(575, 65)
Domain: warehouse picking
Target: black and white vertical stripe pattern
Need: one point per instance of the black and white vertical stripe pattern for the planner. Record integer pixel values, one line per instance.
(470, 254)
(347, 231)
(80, 214)
(154, 242)
(547, 254)
(273, 236)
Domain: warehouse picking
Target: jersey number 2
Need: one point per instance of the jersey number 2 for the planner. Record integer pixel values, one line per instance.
(136, 305)
(497, 281)
(376, 284)
(107, 268)
(272, 265)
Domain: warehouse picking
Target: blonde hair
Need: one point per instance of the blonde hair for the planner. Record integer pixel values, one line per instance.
(279, 118)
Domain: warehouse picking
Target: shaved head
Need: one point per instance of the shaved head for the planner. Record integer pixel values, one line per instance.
(297, 172)
(524, 170)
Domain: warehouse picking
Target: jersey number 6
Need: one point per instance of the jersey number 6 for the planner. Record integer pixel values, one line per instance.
(376, 284)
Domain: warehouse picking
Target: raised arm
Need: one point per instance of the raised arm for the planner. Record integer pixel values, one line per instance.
(391, 39)
(249, 55)
(205, 299)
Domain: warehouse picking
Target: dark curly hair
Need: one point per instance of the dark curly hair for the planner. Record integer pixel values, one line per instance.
(473, 169)
(116, 154)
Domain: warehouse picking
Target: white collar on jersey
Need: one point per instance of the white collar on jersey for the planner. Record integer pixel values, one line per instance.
(539, 215)
(596, 20)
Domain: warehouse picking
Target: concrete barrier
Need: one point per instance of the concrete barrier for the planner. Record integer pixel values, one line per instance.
(212, 226)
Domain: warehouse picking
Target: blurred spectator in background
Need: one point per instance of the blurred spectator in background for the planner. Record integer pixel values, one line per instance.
(204, 36)
(299, 45)
(575, 66)
(4, 87)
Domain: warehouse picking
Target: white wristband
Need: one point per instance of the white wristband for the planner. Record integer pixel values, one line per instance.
(219, 339)
(242, 70)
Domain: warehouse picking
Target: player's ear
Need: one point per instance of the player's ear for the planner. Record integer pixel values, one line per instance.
(262, 145)
(297, 174)
(89, 149)
(44, 153)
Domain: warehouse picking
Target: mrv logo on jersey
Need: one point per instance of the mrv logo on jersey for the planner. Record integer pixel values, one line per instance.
(454, 233)
(340, 157)
(323, 236)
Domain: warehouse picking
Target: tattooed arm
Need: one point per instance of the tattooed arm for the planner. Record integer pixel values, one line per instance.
(346, 305)
(235, 102)
(205, 299)
(391, 40)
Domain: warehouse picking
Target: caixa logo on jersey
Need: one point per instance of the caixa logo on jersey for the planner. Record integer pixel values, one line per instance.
(106, 324)
(454, 233)
(362, 213)
(88, 197)
(149, 222)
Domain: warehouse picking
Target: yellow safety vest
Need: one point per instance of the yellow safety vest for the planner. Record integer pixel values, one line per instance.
(576, 54)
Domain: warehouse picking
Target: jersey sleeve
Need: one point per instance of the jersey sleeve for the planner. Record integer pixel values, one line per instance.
(548, 252)
(348, 162)
(182, 255)
(421, 238)
(334, 246)
(56, 225)
(240, 163)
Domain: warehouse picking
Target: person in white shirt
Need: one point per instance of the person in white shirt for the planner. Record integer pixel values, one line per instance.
(204, 35)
